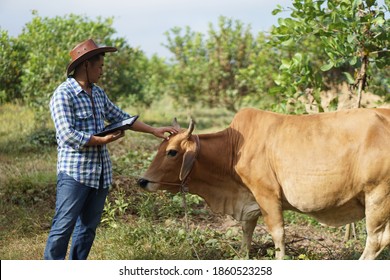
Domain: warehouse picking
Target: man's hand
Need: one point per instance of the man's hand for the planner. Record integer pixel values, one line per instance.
(156, 131)
(160, 131)
(115, 136)
(103, 140)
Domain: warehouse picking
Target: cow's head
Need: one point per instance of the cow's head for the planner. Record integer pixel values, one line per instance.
(173, 162)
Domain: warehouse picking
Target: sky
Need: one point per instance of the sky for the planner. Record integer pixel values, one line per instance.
(143, 22)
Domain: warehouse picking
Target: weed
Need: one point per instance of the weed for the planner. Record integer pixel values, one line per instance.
(115, 208)
(43, 137)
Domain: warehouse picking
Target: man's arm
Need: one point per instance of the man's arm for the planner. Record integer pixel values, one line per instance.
(103, 140)
(156, 131)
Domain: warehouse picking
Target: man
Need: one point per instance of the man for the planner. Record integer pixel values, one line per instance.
(79, 108)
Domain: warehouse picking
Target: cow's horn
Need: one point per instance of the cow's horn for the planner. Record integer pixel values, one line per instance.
(191, 127)
(175, 124)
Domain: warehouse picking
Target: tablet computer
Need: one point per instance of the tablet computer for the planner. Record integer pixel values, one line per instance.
(122, 125)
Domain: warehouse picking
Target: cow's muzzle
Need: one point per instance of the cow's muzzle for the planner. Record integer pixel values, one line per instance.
(143, 183)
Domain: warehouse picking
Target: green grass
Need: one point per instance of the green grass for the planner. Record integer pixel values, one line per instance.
(136, 224)
(144, 239)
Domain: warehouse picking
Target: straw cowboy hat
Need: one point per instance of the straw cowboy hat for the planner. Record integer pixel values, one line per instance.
(84, 51)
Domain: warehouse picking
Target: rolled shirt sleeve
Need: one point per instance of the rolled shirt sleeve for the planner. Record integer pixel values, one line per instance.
(114, 113)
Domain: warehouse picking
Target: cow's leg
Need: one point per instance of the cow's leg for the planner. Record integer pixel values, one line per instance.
(276, 229)
(271, 210)
(247, 229)
(377, 221)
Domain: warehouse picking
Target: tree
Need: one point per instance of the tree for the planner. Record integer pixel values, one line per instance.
(221, 69)
(352, 34)
(12, 55)
(188, 65)
(140, 80)
(128, 76)
(34, 63)
(229, 50)
(47, 43)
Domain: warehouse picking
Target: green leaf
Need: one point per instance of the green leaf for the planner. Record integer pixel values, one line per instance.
(334, 103)
(327, 67)
(379, 21)
(356, 3)
(297, 5)
(278, 9)
(298, 57)
(370, 2)
(353, 60)
(282, 21)
(286, 64)
(349, 77)
(351, 38)
(288, 43)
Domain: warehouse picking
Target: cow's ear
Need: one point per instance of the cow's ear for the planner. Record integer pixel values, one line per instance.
(190, 128)
(175, 124)
(188, 162)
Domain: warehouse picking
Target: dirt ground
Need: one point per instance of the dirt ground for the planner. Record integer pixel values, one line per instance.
(314, 242)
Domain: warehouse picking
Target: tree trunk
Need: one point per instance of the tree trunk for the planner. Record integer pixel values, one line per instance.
(362, 79)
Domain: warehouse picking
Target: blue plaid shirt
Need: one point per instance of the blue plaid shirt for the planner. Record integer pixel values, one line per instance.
(76, 117)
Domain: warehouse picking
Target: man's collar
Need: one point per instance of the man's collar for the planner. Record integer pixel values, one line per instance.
(75, 85)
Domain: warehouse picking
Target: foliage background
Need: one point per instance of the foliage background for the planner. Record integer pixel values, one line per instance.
(317, 47)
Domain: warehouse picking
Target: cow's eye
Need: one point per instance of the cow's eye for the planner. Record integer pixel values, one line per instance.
(171, 153)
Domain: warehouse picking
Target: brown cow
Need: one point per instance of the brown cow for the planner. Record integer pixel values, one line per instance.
(332, 166)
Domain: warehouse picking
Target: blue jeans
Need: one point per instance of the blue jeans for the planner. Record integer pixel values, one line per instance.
(78, 209)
